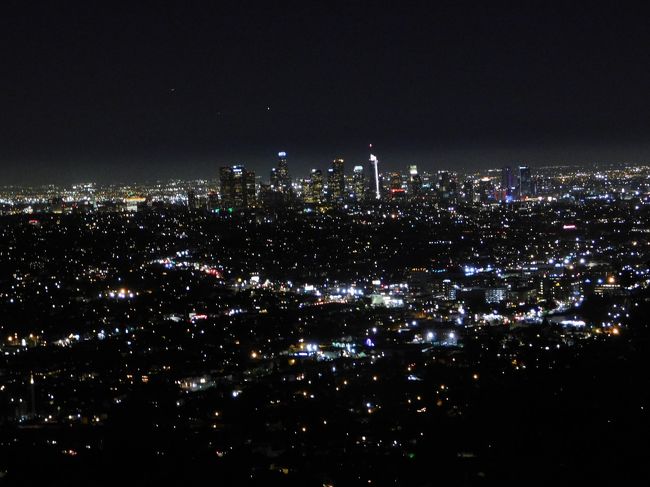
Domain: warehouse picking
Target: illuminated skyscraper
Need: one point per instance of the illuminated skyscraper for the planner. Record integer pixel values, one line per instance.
(237, 187)
(336, 180)
(395, 180)
(395, 185)
(415, 181)
(314, 192)
(485, 190)
(283, 177)
(358, 183)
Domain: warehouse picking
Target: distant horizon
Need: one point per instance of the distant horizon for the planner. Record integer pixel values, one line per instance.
(147, 170)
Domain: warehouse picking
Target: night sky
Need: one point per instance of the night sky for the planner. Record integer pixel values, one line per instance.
(145, 90)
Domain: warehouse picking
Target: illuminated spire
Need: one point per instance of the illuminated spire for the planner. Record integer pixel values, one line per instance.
(375, 162)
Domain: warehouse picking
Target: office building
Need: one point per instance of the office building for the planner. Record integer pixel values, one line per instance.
(525, 183)
(358, 186)
(237, 187)
(336, 180)
(314, 187)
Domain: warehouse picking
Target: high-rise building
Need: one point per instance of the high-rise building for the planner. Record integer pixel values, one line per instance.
(274, 180)
(507, 180)
(237, 187)
(283, 177)
(428, 182)
(485, 190)
(314, 190)
(358, 183)
(395, 185)
(336, 180)
(395, 181)
(415, 181)
(525, 183)
(280, 180)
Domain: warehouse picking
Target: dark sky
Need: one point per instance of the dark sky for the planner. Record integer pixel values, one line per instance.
(141, 90)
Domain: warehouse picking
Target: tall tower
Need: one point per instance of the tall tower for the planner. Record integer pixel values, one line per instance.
(358, 185)
(336, 180)
(525, 182)
(415, 181)
(315, 185)
(284, 179)
(226, 186)
(375, 163)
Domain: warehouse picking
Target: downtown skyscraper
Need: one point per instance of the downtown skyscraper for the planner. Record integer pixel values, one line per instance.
(237, 187)
(336, 180)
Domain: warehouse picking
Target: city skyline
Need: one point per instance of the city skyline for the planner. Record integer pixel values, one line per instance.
(208, 169)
